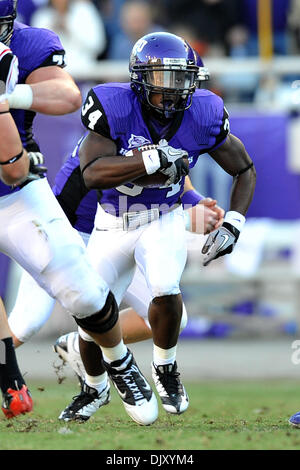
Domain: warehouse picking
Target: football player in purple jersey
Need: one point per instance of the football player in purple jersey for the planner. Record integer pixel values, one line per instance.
(140, 135)
(34, 230)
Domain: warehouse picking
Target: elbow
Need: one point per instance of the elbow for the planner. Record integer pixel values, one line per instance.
(74, 100)
(70, 99)
(14, 177)
(93, 180)
(15, 173)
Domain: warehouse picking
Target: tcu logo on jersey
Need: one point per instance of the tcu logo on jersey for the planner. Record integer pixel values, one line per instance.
(137, 141)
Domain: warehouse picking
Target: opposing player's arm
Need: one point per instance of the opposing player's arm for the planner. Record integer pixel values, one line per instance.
(234, 159)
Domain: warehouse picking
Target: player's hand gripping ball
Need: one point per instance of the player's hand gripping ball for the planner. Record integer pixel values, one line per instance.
(161, 178)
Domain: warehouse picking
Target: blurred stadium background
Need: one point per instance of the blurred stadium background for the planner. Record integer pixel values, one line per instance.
(244, 309)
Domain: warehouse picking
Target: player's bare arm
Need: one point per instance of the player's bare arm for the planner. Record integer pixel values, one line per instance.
(14, 162)
(103, 169)
(234, 159)
(54, 91)
(101, 166)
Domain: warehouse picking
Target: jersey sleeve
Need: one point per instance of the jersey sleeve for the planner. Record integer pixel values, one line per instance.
(213, 122)
(39, 48)
(93, 116)
(224, 130)
(55, 58)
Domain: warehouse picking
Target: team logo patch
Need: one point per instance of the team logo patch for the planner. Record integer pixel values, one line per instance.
(137, 141)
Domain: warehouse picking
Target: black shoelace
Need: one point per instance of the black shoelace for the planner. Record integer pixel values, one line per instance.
(170, 381)
(84, 398)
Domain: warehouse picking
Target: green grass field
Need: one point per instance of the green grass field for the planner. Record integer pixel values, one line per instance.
(222, 415)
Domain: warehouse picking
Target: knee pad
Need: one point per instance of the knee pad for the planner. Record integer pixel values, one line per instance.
(104, 320)
(71, 280)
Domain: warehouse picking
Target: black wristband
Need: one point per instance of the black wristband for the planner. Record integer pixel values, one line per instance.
(13, 159)
(5, 112)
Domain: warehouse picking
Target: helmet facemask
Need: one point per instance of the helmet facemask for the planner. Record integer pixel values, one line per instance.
(7, 17)
(175, 83)
(6, 30)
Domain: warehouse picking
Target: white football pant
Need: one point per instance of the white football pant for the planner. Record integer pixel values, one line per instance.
(158, 249)
(34, 306)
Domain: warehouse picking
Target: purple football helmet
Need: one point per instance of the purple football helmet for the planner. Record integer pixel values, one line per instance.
(165, 64)
(8, 14)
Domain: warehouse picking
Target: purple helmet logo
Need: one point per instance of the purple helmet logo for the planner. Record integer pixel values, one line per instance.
(166, 65)
(8, 14)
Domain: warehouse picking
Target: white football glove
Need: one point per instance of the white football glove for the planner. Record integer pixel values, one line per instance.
(220, 242)
(9, 72)
(168, 154)
(172, 163)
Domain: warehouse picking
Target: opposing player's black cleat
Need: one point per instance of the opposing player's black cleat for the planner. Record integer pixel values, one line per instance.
(170, 389)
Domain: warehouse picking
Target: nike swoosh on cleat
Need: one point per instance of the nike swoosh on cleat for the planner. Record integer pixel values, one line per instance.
(147, 387)
(123, 395)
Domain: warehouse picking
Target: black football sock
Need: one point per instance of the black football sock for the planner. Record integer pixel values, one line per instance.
(10, 375)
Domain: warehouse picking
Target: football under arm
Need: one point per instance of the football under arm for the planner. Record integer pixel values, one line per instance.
(234, 159)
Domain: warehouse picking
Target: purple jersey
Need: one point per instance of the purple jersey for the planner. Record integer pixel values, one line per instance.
(78, 203)
(35, 48)
(113, 110)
